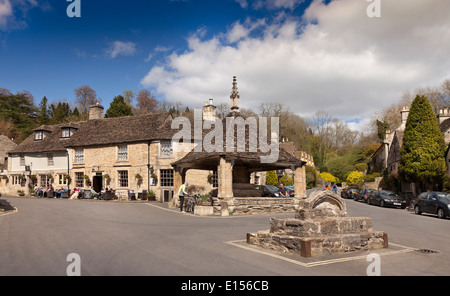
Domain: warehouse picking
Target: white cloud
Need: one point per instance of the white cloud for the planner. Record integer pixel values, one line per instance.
(14, 13)
(117, 48)
(277, 4)
(5, 12)
(335, 59)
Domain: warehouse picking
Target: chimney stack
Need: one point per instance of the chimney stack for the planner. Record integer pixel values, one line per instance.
(404, 113)
(96, 111)
(443, 114)
(209, 111)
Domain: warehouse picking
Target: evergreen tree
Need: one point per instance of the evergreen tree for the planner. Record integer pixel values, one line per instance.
(422, 154)
(271, 178)
(75, 112)
(119, 108)
(19, 110)
(60, 112)
(43, 112)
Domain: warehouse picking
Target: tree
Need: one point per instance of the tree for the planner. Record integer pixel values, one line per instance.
(327, 177)
(85, 96)
(146, 102)
(271, 178)
(287, 181)
(19, 110)
(43, 112)
(422, 153)
(119, 108)
(60, 112)
(355, 177)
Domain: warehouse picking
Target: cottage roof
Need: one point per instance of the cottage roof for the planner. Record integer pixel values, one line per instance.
(6, 145)
(209, 160)
(126, 129)
(52, 142)
(100, 132)
(445, 125)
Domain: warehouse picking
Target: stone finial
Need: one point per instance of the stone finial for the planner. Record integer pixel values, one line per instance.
(234, 95)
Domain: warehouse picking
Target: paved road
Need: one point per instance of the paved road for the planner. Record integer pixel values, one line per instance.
(147, 239)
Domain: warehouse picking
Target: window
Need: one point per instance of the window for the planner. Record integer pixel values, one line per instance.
(38, 135)
(50, 159)
(65, 132)
(215, 182)
(22, 160)
(79, 181)
(62, 180)
(122, 153)
(45, 181)
(15, 180)
(79, 155)
(123, 178)
(166, 149)
(166, 177)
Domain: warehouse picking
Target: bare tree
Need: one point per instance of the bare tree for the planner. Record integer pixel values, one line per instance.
(85, 96)
(222, 110)
(146, 102)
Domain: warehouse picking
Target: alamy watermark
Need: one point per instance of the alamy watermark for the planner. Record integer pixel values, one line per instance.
(374, 8)
(74, 8)
(374, 268)
(238, 133)
(74, 268)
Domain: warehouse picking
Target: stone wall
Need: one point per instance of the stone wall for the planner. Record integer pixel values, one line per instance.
(262, 205)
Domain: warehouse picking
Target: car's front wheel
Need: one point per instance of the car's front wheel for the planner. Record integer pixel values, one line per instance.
(417, 210)
(441, 213)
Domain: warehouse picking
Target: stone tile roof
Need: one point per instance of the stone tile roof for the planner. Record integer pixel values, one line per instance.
(100, 132)
(5, 145)
(209, 160)
(118, 130)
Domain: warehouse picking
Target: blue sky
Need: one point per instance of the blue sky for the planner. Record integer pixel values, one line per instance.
(48, 53)
(308, 55)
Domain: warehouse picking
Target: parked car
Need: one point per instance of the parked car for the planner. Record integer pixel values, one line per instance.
(362, 194)
(437, 203)
(348, 192)
(269, 191)
(290, 190)
(385, 198)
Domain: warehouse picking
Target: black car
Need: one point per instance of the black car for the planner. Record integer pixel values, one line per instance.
(269, 191)
(348, 192)
(362, 194)
(437, 203)
(385, 198)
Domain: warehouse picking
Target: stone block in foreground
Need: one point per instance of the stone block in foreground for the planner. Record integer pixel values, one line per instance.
(321, 227)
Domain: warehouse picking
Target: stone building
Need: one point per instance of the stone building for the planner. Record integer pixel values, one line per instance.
(126, 154)
(135, 153)
(387, 156)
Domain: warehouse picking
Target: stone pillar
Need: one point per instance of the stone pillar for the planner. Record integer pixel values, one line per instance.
(225, 179)
(300, 182)
(178, 179)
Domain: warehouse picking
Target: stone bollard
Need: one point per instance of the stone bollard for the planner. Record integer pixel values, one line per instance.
(224, 208)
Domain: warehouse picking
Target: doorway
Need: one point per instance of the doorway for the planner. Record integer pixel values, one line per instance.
(97, 183)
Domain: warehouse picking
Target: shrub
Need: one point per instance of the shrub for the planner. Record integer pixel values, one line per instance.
(327, 177)
(355, 177)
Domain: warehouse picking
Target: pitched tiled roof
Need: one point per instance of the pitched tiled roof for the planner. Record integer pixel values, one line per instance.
(123, 130)
(5, 145)
(100, 132)
(209, 160)
(53, 142)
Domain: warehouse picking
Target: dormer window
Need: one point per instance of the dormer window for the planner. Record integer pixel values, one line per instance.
(65, 132)
(38, 135)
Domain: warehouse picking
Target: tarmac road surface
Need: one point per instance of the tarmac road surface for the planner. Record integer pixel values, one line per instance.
(149, 239)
